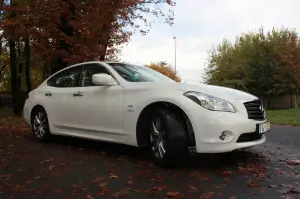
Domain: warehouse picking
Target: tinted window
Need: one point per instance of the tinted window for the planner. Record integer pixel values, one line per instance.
(133, 73)
(89, 70)
(66, 78)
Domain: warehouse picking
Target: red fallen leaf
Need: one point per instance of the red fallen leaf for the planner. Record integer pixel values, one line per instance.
(112, 176)
(293, 162)
(207, 195)
(226, 172)
(57, 190)
(158, 179)
(47, 185)
(159, 188)
(11, 197)
(129, 182)
(227, 179)
(252, 184)
(121, 193)
(173, 194)
(193, 188)
(289, 196)
(97, 180)
(88, 196)
(103, 189)
(292, 191)
(19, 188)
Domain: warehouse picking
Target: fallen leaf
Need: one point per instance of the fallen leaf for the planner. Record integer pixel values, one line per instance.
(79, 188)
(293, 162)
(252, 184)
(207, 195)
(173, 194)
(112, 176)
(58, 190)
(88, 197)
(38, 177)
(96, 180)
(226, 172)
(272, 186)
(121, 193)
(233, 197)
(103, 188)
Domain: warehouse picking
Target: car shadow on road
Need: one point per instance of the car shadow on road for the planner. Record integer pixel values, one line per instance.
(136, 155)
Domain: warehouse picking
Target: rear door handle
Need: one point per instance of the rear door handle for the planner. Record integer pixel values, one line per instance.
(48, 94)
(77, 94)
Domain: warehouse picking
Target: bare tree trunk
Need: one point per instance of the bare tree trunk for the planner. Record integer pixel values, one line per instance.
(14, 77)
(27, 65)
(295, 100)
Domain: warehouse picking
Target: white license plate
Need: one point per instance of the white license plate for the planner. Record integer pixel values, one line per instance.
(264, 127)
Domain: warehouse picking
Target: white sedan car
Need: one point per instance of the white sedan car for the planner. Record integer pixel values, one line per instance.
(137, 106)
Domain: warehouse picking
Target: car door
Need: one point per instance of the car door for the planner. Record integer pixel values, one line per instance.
(99, 108)
(61, 104)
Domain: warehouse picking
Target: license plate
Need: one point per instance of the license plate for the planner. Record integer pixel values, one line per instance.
(264, 127)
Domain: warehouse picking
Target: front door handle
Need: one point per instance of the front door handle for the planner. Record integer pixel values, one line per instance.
(77, 94)
(49, 94)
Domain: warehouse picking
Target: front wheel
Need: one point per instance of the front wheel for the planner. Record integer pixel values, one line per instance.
(167, 137)
(40, 124)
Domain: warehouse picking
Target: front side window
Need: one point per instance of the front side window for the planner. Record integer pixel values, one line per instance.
(67, 78)
(89, 70)
(133, 73)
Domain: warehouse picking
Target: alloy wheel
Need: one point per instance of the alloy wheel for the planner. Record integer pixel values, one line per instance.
(40, 124)
(157, 138)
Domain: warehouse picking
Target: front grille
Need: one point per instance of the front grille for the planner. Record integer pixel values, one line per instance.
(249, 137)
(255, 110)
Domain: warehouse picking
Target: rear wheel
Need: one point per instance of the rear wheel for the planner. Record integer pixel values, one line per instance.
(167, 137)
(40, 124)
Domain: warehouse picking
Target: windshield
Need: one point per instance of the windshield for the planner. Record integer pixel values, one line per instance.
(133, 73)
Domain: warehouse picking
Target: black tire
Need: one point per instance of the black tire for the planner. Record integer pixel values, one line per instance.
(40, 125)
(174, 138)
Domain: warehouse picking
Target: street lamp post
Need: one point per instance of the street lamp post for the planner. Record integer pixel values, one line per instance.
(175, 51)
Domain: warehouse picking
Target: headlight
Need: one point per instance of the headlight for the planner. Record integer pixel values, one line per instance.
(210, 102)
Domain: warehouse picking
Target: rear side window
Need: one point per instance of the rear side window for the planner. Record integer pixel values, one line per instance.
(67, 78)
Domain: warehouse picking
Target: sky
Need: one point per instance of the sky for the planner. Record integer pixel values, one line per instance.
(200, 24)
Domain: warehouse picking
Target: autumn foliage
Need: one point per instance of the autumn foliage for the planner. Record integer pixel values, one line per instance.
(63, 32)
(262, 63)
(165, 69)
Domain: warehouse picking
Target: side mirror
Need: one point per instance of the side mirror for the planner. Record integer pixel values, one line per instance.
(102, 79)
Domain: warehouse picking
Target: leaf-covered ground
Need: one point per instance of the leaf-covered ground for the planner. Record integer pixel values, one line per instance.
(72, 168)
(284, 117)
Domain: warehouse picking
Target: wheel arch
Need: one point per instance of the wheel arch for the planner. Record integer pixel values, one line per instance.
(141, 134)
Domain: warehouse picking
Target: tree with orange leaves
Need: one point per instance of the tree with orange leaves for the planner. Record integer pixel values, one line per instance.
(64, 32)
(165, 69)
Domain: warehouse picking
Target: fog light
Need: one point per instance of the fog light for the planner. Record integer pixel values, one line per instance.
(224, 135)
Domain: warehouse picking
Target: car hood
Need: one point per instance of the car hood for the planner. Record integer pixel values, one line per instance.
(218, 91)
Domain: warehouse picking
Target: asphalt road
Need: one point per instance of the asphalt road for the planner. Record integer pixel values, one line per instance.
(73, 168)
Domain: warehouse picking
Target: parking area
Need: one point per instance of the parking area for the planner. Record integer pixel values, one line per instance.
(74, 168)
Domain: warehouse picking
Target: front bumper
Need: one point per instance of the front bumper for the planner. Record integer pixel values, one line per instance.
(209, 125)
